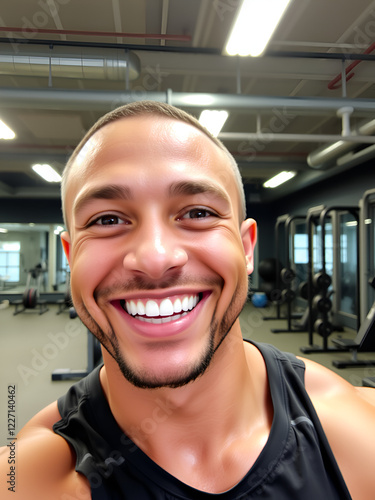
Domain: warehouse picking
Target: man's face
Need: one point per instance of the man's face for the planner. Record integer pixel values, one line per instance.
(157, 259)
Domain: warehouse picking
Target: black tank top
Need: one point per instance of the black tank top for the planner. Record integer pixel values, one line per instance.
(296, 462)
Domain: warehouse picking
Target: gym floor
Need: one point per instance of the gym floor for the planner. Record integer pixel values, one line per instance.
(34, 345)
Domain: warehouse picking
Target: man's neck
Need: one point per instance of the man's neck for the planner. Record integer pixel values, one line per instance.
(228, 404)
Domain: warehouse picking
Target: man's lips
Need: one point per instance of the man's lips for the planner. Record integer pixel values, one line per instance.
(163, 310)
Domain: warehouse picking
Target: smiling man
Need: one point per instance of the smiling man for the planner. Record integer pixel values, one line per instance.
(182, 408)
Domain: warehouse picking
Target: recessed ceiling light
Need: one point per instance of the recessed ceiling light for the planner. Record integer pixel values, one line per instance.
(6, 132)
(254, 26)
(213, 120)
(47, 172)
(279, 179)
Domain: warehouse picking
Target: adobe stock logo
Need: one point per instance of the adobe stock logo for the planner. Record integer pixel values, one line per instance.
(48, 10)
(40, 358)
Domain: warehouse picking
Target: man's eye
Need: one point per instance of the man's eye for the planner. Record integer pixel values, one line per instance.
(109, 220)
(197, 213)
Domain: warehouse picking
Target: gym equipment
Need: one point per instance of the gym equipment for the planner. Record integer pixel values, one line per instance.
(322, 304)
(367, 249)
(303, 290)
(66, 302)
(275, 293)
(322, 281)
(367, 262)
(318, 284)
(267, 270)
(364, 341)
(259, 299)
(94, 358)
(368, 382)
(287, 277)
(30, 298)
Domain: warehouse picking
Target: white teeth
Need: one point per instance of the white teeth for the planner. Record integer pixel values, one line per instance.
(177, 307)
(158, 321)
(166, 309)
(152, 309)
(185, 304)
(140, 308)
(133, 308)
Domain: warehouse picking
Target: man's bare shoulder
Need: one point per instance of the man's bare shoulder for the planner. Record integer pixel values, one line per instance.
(347, 414)
(44, 463)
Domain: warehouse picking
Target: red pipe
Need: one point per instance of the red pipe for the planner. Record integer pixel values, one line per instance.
(349, 75)
(158, 36)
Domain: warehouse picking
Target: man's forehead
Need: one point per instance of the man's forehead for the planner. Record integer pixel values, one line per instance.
(148, 138)
(133, 132)
(139, 139)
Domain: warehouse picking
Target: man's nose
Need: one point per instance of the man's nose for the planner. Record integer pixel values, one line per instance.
(155, 251)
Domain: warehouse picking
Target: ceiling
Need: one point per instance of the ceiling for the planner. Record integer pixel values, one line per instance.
(62, 65)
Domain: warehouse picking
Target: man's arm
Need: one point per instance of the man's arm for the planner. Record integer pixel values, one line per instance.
(44, 464)
(347, 414)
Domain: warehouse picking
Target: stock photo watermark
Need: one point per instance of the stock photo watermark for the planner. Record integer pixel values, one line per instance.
(11, 436)
(48, 10)
(40, 358)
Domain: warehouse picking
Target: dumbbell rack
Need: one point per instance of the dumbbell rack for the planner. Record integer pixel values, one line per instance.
(286, 276)
(321, 281)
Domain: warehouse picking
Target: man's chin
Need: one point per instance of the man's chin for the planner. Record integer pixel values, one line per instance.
(172, 377)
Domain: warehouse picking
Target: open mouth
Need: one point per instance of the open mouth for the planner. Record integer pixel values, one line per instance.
(164, 311)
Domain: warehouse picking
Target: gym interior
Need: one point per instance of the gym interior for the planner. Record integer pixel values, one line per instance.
(304, 106)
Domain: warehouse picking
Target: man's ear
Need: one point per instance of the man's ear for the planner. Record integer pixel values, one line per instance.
(249, 238)
(65, 241)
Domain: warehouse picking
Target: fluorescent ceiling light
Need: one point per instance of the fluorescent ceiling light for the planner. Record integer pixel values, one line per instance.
(3, 230)
(199, 99)
(213, 120)
(254, 26)
(279, 179)
(47, 172)
(6, 132)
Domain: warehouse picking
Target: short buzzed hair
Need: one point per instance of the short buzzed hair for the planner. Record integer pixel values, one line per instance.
(141, 108)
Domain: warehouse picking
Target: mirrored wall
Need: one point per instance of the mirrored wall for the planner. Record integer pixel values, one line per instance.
(31, 256)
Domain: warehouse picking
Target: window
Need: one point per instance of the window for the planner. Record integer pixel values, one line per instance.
(317, 249)
(10, 261)
(301, 249)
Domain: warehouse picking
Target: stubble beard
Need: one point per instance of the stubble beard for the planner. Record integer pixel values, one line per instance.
(143, 380)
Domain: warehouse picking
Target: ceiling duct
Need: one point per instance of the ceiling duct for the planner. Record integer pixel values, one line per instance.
(328, 155)
(69, 62)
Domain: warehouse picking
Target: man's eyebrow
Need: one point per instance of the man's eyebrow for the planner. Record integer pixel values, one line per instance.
(197, 187)
(109, 192)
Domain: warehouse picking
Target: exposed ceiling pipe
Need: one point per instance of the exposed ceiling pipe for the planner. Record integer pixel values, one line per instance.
(334, 84)
(313, 176)
(283, 137)
(93, 100)
(326, 156)
(70, 62)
